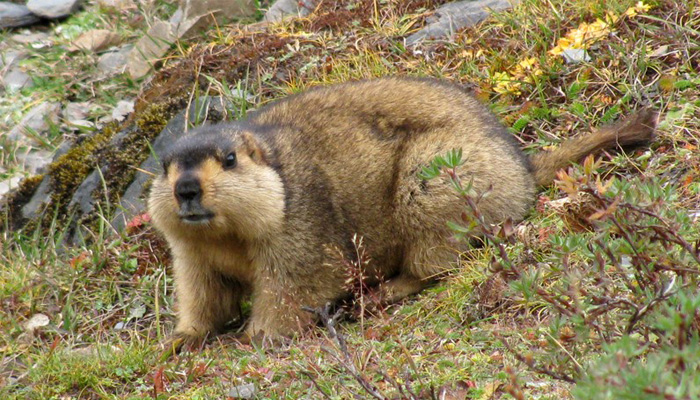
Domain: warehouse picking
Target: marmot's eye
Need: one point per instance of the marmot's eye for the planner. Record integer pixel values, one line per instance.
(230, 160)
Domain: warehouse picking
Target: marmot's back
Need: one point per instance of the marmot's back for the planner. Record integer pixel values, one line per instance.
(369, 140)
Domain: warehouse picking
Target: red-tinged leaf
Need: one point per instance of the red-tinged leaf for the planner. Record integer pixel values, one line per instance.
(689, 179)
(543, 234)
(372, 334)
(541, 202)
(158, 382)
(601, 214)
(138, 221)
(54, 344)
(77, 261)
(603, 187)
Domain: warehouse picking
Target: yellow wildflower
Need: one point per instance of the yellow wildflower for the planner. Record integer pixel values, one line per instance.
(582, 37)
(640, 7)
(526, 69)
(528, 63)
(504, 84)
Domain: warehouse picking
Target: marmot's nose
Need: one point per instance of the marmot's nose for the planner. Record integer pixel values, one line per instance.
(187, 189)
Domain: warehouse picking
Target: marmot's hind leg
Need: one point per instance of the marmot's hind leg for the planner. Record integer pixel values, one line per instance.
(423, 263)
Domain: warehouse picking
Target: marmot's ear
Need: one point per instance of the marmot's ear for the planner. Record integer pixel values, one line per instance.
(251, 146)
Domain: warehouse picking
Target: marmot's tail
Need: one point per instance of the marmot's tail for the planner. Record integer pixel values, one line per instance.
(636, 129)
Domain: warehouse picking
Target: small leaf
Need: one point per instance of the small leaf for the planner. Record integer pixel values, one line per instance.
(683, 84)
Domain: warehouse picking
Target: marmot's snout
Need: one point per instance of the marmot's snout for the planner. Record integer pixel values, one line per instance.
(188, 192)
(188, 189)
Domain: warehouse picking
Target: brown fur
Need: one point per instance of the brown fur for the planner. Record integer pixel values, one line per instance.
(316, 168)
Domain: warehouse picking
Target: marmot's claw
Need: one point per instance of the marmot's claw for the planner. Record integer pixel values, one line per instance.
(178, 342)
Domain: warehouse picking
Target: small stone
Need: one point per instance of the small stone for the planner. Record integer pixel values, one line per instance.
(36, 321)
(37, 121)
(246, 391)
(123, 108)
(575, 56)
(95, 40)
(53, 8)
(16, 80)
(289, 8)
(116, 4)
(29, 37)
(8, 184)
(15, 15)
(114, 62)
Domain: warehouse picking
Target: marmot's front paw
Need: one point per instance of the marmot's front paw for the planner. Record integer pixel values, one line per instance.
(181, 341)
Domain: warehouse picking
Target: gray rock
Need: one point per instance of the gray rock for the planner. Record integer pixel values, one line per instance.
(53, 8)
(40, 198)
(11, 58)
(35, 206)
(37, 120)
(95, 40)
(131, 202)
(15, 80)
(246, 391)
(451, 17)
(83, 200)
(76, 111)
(34, 161)
(15, 15)
(155, 43)
(114, 62)
(289, 8)
(76, 114)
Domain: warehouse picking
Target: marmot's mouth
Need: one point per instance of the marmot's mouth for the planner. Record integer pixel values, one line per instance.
(196, 218)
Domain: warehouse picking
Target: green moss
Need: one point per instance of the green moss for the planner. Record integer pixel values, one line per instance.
(68, 172)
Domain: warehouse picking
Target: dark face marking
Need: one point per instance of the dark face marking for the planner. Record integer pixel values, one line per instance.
(191, 149)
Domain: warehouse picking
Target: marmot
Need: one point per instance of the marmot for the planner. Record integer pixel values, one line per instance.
(251, 207)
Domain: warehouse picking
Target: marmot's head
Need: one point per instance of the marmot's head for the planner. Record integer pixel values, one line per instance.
(217, 181)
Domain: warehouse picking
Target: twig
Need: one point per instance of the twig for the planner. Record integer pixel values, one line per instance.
(531, 364)
(346, 361)
(318, 387)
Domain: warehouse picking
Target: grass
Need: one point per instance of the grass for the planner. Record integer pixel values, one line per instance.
(508, 324)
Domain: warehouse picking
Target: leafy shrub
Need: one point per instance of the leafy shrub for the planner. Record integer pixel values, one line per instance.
(619, 273)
